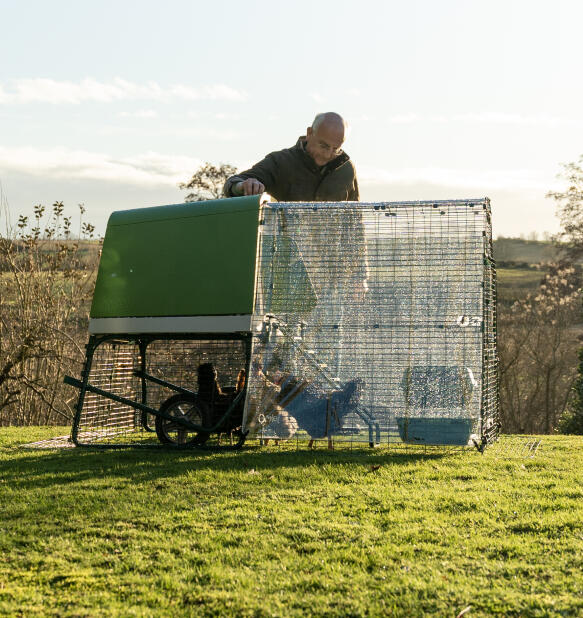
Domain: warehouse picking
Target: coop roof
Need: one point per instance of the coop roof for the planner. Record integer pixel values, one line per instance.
(193, 263)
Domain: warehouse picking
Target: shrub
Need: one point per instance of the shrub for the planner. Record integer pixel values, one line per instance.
(46, 284)
(538, 353)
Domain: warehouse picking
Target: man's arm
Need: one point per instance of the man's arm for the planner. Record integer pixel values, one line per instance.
(354, 193)
(259, 178)
(243, 186)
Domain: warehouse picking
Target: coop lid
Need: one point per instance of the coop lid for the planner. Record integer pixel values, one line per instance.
(179, 261)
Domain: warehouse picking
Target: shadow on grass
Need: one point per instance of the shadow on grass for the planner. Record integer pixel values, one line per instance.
(28, 469)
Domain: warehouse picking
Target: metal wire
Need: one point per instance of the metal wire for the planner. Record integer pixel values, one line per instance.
(105, 422)
(381, 317)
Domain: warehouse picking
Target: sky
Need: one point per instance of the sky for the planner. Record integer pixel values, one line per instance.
(113, 104)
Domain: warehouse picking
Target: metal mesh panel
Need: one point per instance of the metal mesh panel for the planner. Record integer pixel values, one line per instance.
(375, 322)
(113, 367)
(177, 361)
(490, 393)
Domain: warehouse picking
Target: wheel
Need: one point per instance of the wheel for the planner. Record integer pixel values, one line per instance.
(189, 408)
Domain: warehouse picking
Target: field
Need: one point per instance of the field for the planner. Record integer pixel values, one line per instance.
(276, 531)
(525, 251)
(515, 283)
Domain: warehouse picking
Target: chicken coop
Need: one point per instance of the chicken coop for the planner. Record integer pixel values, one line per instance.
(217, 322)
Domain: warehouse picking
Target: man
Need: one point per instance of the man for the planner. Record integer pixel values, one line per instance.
(309, 247)
(316, 169)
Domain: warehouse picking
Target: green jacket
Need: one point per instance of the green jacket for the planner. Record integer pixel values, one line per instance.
(291, 175)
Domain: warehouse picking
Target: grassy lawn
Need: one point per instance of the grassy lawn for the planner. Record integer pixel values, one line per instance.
(516, 283)
(276, 531)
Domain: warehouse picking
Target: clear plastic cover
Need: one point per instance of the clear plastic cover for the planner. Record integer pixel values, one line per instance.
(374, 322)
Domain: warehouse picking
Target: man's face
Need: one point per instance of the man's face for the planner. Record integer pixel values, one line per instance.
(324, 144)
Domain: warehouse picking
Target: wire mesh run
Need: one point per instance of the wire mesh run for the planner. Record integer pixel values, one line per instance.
(112, 367)
(519, 446)
(118, 365)
(375, 323)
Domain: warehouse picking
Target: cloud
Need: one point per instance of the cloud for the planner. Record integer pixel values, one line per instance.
(145, 169)
(42, 90)
(155, 169)
(152, 168)
(141, 113)
(154, 130)
(514, 180)
(543, 120)
(486, 118)
(227, 116)
(404, 118)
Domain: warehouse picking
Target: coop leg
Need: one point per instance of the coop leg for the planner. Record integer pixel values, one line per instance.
(90, 349)
(328, 415)
(143, 415)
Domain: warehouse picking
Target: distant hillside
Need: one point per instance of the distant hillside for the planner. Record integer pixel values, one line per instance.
(516, 261)
(505, 250)
(524, 251)
(514, 257)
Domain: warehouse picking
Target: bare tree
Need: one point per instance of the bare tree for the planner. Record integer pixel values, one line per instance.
(46, 283)
(572, 420)
(538, 353)
(570, 208)
(207, 182)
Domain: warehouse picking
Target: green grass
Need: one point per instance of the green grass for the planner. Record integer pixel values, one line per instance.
(515, 283)
(277, 531)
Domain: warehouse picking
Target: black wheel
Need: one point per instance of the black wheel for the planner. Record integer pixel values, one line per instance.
(187, 407)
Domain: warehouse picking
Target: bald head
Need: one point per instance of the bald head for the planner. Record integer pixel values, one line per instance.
(325, 137)
(331, 119)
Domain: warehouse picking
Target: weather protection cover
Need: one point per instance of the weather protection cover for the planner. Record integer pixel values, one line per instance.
(375, 322)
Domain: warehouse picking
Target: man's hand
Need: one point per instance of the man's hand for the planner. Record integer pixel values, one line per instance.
(251, 186)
